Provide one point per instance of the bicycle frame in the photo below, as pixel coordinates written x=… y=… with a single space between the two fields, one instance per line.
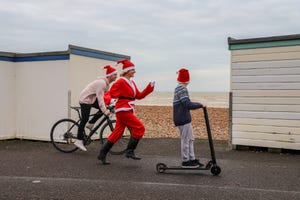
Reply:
x=64 y=132
x=103 y=119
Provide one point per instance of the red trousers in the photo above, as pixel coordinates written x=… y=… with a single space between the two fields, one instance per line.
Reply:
x=127 y=119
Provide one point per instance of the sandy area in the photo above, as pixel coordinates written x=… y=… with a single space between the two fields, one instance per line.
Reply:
x=158 y=121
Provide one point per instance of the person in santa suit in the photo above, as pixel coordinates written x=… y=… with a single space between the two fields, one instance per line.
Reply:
x=93 y=96
x=126 y=92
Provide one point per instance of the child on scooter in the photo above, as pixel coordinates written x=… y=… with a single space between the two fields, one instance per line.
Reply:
x=182 y=119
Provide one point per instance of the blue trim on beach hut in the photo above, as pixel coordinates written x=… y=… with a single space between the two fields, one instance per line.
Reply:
x=61 y=55
x=5 y=58
x=42 y=58
x=96 y=53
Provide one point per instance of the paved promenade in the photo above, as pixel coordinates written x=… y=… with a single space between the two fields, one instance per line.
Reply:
x=35 y=170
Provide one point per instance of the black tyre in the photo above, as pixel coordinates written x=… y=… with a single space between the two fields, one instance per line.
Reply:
x=64 y=134
x=215 y=170
x=161 y=167
x=119 y=146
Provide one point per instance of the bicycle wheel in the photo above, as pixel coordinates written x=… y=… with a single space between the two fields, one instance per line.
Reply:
x=119 y=146
x=64 y=134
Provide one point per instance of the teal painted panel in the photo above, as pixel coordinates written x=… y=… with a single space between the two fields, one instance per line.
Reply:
x=264 y=44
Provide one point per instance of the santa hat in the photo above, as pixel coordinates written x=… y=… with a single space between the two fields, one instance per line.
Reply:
x=109 y=70
x=183 y=76
x=127 y=65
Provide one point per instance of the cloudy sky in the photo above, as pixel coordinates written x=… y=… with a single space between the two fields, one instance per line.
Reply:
x=160 y=35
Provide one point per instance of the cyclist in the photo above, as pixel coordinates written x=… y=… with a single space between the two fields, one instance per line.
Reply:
x=126 y=91
x=108 y=101
x=93 y=96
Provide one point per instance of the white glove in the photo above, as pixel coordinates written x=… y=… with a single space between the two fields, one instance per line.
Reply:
x=152 y=83
x=113 y=102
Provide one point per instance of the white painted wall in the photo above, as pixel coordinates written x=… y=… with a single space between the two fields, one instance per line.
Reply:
x=265 y=86
x=36 y=94
x=42 y=97
x=7 y=100
x=84 y=70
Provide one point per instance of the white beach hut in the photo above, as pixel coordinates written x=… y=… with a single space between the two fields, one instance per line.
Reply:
x=37 y=89
x=265 y=92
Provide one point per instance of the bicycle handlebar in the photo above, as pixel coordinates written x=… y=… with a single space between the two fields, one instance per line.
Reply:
x=78 y=108
x=111 y=108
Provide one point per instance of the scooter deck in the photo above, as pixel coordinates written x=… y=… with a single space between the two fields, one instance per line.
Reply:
x=213 y=167
x=161 y=167
x=185 y=168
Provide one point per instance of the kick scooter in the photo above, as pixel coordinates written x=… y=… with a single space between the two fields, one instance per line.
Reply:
x=211 y=165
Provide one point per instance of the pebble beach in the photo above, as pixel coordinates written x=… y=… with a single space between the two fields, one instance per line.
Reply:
x=158 y=121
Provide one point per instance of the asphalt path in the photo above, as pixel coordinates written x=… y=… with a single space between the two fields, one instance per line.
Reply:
x=35 y=170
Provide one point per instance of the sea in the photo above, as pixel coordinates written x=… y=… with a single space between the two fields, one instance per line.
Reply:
x=211 y=99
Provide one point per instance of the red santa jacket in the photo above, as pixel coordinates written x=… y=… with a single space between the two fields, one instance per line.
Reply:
x=107 y=98
x=126 y=92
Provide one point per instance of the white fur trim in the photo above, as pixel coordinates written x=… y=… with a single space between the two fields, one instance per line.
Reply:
x=122 y=109
x=131 y=107
x=131 y=85
x=114 y=72
x=128 y=68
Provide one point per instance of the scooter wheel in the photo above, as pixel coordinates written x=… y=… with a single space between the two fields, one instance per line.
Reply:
x=161 y=167
x=215 y=170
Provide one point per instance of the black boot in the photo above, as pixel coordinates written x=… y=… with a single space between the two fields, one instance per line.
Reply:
x=103 y=152
x=132 y=144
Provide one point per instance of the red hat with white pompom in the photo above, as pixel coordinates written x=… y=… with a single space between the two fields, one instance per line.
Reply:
x=183 y=76
x=110 y=70
x=127 y=65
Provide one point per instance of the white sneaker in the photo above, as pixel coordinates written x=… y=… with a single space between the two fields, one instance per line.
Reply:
x=89 y=126
x=79 y=144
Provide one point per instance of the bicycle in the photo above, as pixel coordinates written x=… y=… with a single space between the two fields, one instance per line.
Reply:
x=64 y=133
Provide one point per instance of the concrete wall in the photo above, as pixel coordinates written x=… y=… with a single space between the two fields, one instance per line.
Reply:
x=7 y=100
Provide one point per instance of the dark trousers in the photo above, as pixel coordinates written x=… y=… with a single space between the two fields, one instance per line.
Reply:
x=85 y=113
